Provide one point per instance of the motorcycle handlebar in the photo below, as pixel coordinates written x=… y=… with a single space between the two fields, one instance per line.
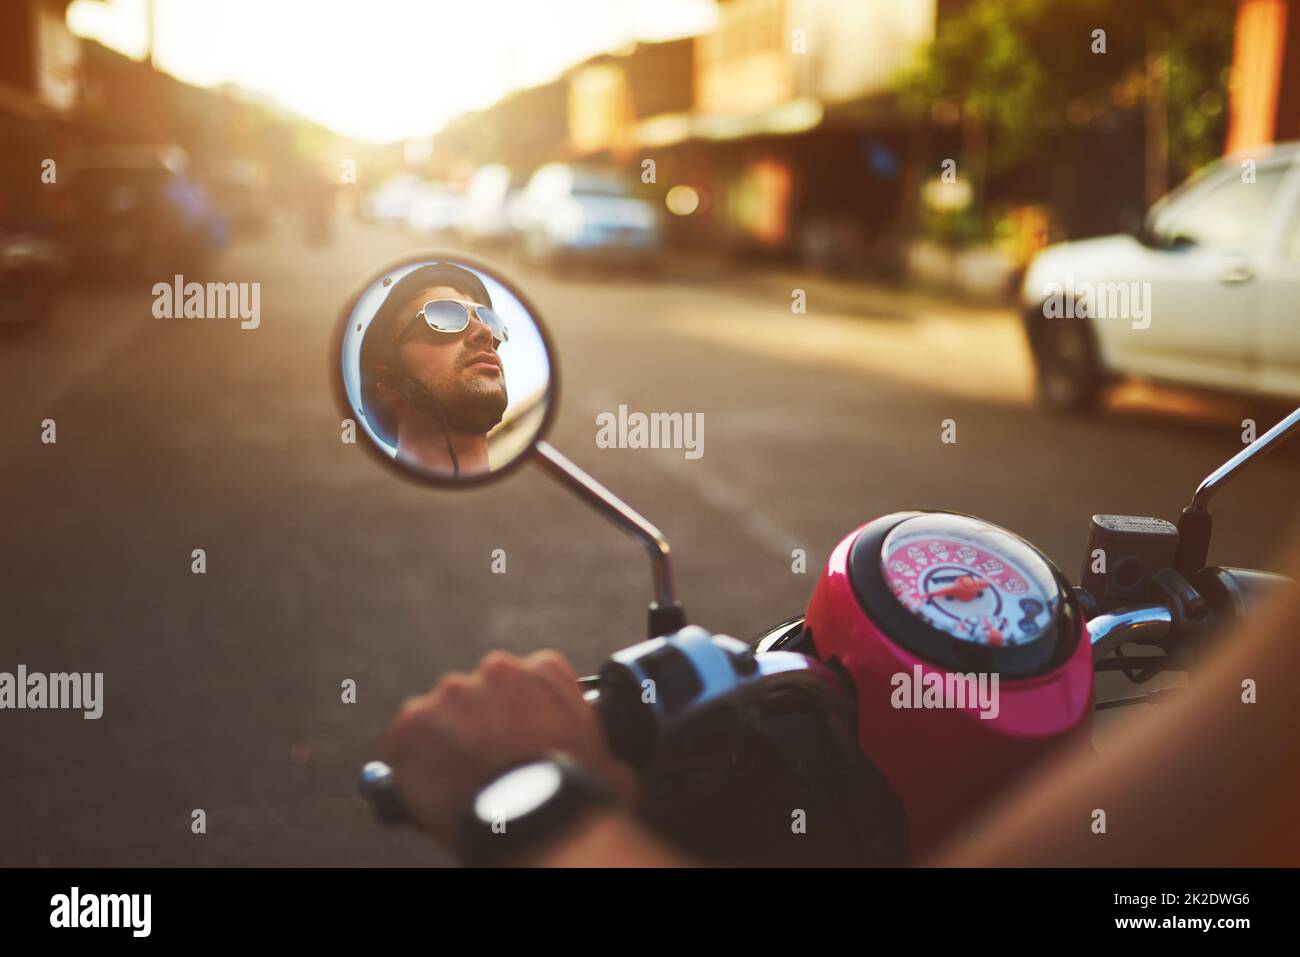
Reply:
x=615 y=695
x=629 y=729
x=1227 y=595
x=380 y=791
x=1109 y=630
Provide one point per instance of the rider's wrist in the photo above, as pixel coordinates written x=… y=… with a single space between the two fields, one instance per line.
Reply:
x=529 y=806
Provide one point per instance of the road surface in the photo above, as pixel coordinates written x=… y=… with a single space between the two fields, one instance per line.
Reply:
x=222 y=689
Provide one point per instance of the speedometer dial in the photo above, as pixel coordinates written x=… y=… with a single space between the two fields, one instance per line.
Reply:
x=974 y=581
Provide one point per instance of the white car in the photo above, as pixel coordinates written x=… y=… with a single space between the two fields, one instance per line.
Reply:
x=435 y=210
x=390 y=204
x=1204 y=295
x=569 y=212
x=489 y=197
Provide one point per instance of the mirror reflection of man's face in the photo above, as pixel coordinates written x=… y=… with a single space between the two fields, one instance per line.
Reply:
x=462 y=370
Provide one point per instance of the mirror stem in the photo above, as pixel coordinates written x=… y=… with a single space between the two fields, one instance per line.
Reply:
x=666 y=614
x=1194 y=524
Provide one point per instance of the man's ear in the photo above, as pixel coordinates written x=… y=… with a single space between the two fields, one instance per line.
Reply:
x=386 y=382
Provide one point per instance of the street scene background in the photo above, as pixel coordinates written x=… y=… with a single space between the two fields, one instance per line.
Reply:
x=222 y=690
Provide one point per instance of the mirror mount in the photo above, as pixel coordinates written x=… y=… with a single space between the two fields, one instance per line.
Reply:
x=1196 y=524
x=470 y=344
x=666 y=614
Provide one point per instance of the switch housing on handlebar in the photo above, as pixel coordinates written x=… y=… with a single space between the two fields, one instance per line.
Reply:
x=727 y=742
x=696 y=691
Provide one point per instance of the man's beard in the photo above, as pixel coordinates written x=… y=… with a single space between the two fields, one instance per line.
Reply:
x=473 y=405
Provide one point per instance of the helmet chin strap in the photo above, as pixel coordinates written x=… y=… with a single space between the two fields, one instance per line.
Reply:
x=425 y=400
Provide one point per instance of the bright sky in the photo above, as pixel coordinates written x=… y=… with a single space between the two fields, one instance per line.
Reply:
x=381 y=70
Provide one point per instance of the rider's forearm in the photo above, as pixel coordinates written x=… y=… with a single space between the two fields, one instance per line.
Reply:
x=1205 y=779
x=606 y=839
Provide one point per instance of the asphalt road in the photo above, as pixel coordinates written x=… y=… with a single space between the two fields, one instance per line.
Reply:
x=222 y=690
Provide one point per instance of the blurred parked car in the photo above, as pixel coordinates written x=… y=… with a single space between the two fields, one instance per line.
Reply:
x=33 y=219
x=435 y=209
x=314 y=201
x=31 y=265
x=569 y=212
x=390 y=204
x=139 y=212
x=1203 y=294
x=490 y=199
x=239 y=189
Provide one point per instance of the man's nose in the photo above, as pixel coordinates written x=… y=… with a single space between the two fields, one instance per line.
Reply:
x=478 y=330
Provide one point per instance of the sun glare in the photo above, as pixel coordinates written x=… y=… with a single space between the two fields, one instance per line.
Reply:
x=383 y=69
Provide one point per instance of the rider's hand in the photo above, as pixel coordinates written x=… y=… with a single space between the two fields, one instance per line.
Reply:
x=445 y=745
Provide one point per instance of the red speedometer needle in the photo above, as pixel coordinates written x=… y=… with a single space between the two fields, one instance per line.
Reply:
x=965 y=588
x=995 y=637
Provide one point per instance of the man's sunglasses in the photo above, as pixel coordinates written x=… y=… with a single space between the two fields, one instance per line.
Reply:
x=452 y=316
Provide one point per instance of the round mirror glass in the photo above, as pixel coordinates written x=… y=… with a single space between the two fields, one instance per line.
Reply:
x=446 y=370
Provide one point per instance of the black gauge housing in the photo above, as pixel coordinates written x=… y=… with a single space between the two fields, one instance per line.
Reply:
x=1051 y=648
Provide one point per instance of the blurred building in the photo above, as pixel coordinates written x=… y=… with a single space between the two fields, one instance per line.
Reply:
x=1265 y=86
x=809 y=147
x=621 y=103
x=40 y=90
x=523 y=130
x=39 y=57
x=785 y=125
x=782 y=122
x=82 y=126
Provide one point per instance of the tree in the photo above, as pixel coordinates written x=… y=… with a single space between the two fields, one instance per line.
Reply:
x=1026 y=71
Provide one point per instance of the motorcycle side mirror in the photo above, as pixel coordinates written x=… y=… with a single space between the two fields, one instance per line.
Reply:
x=446 y=371
x=448 y=376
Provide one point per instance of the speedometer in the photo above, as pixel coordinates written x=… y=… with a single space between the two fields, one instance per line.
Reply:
x=975 y=581
x=963 y=593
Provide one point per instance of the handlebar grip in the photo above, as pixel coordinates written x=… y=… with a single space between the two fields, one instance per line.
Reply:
x=618 y=708
x=608 y=714
x=1239 y=594
x=379 y=789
